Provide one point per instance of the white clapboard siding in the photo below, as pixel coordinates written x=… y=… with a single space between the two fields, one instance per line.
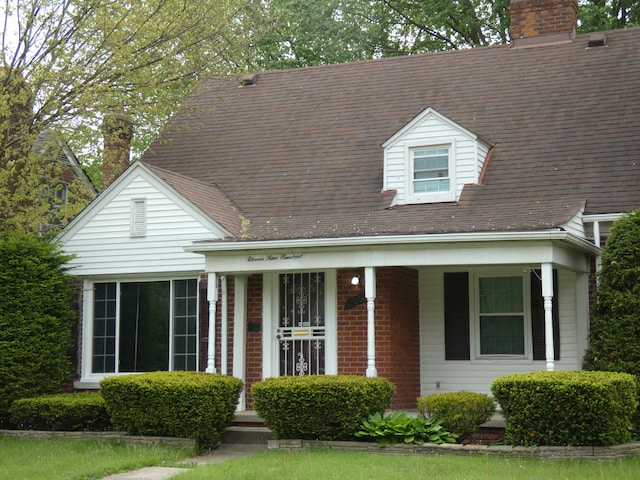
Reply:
x=431 y=128
x=438 y=375
x=102 y=242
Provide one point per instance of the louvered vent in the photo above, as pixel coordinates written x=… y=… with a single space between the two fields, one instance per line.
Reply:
x=138 y=217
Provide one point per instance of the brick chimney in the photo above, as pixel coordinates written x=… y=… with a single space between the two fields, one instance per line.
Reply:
x=117 y=130
x=537 y=22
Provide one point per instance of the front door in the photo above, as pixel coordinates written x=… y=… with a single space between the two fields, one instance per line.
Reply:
x=301 y=330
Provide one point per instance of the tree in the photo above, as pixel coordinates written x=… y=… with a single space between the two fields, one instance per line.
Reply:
x=600 y=15
x=614 y=339
x=73 y=61
x=36 y=318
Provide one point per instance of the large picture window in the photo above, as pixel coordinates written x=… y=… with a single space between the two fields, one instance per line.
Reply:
x=145 y=326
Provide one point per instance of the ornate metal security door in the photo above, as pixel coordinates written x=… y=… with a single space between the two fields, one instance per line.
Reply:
x=301 y=324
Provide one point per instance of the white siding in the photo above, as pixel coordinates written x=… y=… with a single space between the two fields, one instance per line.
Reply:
x=476 y=375
x=432 y=129
x=103 y=244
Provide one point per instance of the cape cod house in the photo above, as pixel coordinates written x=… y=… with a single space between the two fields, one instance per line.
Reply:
x=434 y=219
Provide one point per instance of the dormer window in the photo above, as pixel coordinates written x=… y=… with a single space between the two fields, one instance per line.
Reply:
x=431 y=159
x=431 y=170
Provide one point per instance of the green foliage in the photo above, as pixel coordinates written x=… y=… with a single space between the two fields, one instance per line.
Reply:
x=320 y=407
x=567 y=408
x=176 y=404
x=61 y=412
x=614 y=336
x=460 y=412
x=36 y=318
x=399 y=427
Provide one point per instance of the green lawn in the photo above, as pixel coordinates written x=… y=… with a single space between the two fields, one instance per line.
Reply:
x=30 y=459
x=22 y=459
x=320 y=465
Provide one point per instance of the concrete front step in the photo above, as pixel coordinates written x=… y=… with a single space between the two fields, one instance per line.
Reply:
x=247 y=428
x=246 y=435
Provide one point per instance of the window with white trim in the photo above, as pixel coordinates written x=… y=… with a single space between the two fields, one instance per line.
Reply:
x=431 y=173
x=502 y=317
x=145 y=326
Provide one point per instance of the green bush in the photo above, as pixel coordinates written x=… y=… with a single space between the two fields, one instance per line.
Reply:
x=399 y=427
x=460 y=412
x=320 y=407
x=567 y=408
x=614 y=335
x=36 y=319
x=176 y=404
x=61 y=412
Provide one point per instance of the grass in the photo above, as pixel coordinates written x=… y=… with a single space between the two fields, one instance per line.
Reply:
x=22 y=459
x=49 y=459
x=322 y=465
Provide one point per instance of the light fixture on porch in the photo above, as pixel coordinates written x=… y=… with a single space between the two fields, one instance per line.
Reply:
x=355 y=280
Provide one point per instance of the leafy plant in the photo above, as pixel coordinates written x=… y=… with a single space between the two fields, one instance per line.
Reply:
x=399 y=427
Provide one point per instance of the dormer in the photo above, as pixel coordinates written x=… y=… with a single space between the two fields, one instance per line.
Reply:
x=431 y=158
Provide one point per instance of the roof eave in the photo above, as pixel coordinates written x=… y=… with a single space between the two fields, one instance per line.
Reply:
x=204 y=247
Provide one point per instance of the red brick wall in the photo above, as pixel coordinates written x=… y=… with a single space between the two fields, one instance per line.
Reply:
x=397 y=331
x=254 y=326
x=530 y=18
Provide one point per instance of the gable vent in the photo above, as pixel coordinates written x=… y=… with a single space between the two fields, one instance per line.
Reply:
x=138 y=217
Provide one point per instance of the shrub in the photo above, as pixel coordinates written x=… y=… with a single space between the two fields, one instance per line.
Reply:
x=320 y=407
x=460 y=412
x=399 y=427
x=61 y=412
x=36 y=319
x=567 y=408
x=176 y=404
x=614 y=335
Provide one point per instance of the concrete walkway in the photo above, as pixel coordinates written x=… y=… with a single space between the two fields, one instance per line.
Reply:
x=222 y=453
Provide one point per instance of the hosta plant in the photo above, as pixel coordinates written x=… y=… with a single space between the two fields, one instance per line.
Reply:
x=398 y=427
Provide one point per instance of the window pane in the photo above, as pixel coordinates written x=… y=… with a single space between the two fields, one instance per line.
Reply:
x=501 y=295
x=185 y=321
x=502 y=335
x=144 y=326
x=103 y=359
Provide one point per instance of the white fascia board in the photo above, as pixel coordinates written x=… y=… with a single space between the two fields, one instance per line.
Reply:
x=103 y=197
x=419 y=118
x=602 y=217
x=448 y=238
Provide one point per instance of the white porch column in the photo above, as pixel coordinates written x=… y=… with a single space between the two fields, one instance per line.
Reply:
x=547 y=294
x=240 y=333
x=370 y=295
x=224 y=326
x=212 y=298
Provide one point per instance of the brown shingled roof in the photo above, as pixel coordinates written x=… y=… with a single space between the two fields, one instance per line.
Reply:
x=210 y=199
x=299 y=152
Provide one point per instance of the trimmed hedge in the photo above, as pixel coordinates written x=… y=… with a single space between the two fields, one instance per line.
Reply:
x=460 y=412
x=320 y=407
x=567 y=407
x=36 y=318
x=62 y=412
x=176 y=404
